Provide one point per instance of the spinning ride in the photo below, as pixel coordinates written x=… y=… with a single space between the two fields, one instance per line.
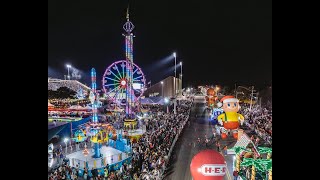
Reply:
x=123 y=81
x=115 y=82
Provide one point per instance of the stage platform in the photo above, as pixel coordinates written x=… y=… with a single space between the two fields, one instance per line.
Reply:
x=136 y=132
x=110 y=156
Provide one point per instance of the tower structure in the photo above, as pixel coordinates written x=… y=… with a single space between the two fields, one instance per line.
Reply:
x=128 y=27
x=93 y=96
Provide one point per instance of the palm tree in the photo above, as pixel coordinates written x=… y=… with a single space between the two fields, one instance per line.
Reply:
x=238 y=150
x=267 y=150
x=255 y=163
x=267 y=164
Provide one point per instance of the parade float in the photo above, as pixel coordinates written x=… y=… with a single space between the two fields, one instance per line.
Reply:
x=230 y=119
x=211 y=98
x=208 y=165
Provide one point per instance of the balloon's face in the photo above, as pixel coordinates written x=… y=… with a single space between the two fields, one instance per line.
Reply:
x=231 y=107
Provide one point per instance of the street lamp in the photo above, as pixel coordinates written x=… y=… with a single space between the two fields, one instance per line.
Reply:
x=181 y=77
x=217 y=89
x=68 y=66
x=175 y=71
x=162 y=88
x=66 y=141
x=252 y=89
x=166 y=101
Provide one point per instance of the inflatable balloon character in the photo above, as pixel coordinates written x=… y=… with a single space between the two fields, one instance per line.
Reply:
x=230 y=118
x=210 y=98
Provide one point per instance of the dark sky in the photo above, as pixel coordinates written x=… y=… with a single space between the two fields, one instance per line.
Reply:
x=219 y=42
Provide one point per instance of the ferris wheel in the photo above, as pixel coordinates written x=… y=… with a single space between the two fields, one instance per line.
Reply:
x=115 y=83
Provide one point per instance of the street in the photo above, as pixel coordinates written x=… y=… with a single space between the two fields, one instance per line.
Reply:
x=187 y=146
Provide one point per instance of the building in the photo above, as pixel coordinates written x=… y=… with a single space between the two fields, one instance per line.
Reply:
x=168 y=88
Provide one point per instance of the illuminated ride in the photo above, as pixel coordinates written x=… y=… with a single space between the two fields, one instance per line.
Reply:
x=123 y=81
x=115 y=82
x=120 y=79
x=98 y=133
x=101 y=133
x=79 y=136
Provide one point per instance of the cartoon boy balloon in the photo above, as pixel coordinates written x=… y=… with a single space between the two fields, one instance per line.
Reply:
x=230 y=118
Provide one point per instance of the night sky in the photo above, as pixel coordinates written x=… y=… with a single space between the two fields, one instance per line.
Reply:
x=219 y=42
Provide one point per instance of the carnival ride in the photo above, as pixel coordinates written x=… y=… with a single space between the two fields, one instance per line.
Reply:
x=98 y=133
x=79 y=136
x=115 y=82
x=123 y=81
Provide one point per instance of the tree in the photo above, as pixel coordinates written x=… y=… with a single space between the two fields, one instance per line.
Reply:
x=263 y=150
x=61 y=93
x=255 y=163
x=267 y=165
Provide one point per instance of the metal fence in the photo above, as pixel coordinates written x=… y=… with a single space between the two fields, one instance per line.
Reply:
x=174 y=142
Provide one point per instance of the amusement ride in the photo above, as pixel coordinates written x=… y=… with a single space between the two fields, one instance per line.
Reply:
x=123 y=83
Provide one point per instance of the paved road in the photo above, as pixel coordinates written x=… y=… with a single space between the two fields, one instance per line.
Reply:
x=186 y=146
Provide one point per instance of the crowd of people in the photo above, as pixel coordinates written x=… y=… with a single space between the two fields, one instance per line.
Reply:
x=259 y=120
x=60 y=103
x=149 y=154
x=59 y=114
x=73 y=85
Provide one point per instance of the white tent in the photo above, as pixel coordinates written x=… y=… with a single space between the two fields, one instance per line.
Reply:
x=50 y=105
x=76 y=107
x=88 y=107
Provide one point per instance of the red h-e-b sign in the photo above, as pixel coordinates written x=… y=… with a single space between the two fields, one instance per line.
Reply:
x=213 y=169
x=208 y=165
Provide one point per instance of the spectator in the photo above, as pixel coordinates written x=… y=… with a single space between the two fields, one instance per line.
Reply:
x=235 y=175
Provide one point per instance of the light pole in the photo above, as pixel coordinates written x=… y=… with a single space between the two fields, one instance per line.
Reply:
x=217 y=89
x=66 y=141
x=68 y=66
x=250 y=95
x=175 y=71
x=162 y=88
x=251 y=98
x=181 y=77
x=166 y=101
